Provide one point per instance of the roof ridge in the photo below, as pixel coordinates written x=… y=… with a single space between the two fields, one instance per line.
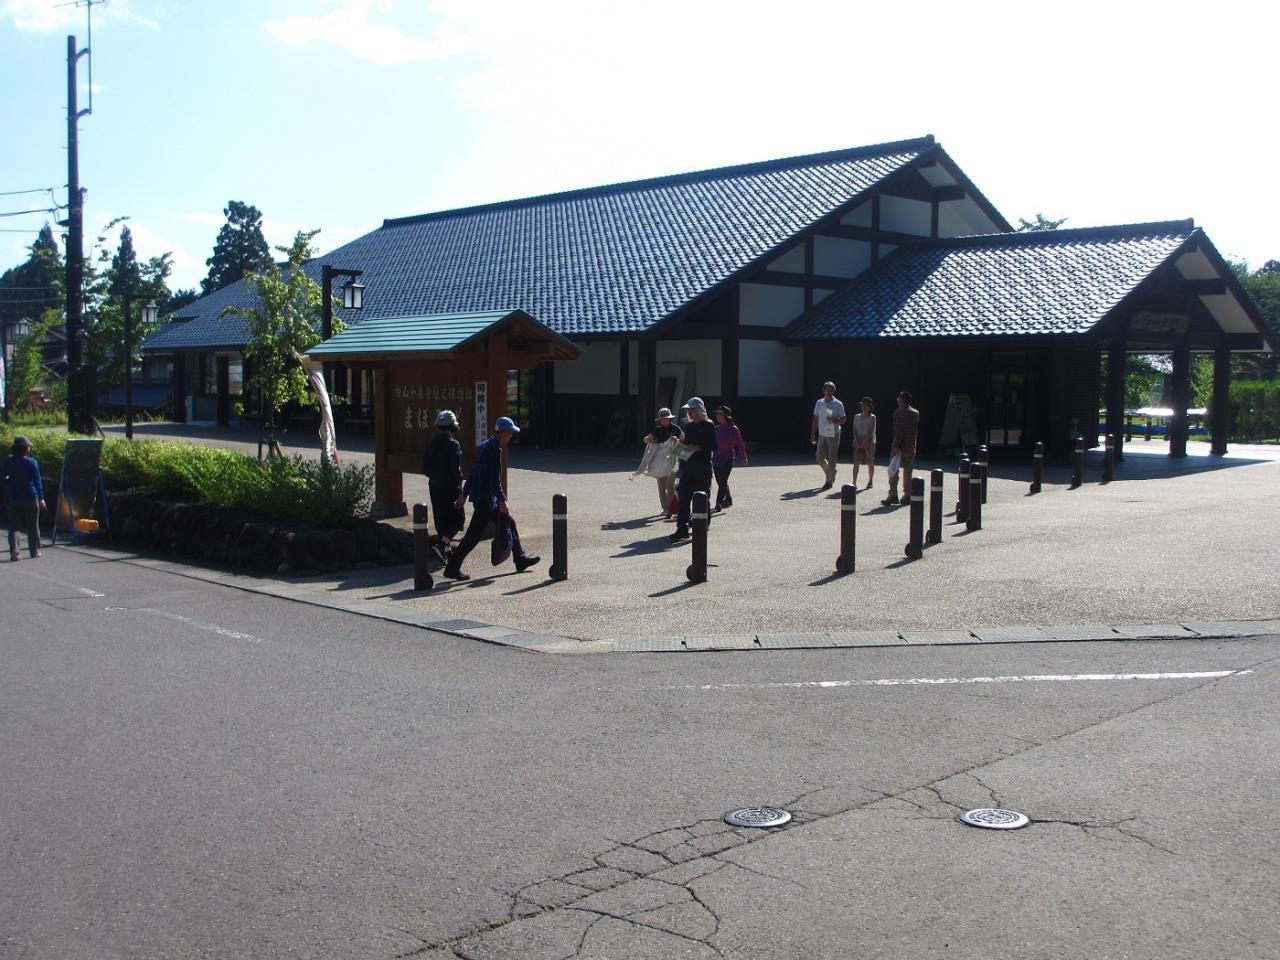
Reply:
x=1072 y=233
x=649 y=183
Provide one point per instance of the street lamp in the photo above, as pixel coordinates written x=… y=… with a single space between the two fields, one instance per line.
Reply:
x=148 y=317
x=352 y=299
x=353 y=294
x=10 y=335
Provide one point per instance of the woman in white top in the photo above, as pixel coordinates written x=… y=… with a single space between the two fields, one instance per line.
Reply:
x=864 y=440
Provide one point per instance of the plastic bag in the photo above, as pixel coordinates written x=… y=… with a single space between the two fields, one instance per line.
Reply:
x=895 y=464
x=664 y=460
x=503 y=539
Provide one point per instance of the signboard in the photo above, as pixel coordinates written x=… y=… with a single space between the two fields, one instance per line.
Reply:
x=482 y=411
x=961 y=421
x=79 y=484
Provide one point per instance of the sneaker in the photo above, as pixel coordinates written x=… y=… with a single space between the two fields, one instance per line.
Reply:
x=437 y=551
x=525 y=562
x=868 y=486
x=680 y=534
x=890 y=501
x=728 y=501
x=453 y=573
x=37 y=555
x=14 y=557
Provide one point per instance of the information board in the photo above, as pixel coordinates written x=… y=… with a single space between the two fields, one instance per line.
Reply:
x=79 y=483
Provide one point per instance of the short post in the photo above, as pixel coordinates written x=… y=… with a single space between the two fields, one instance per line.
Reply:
x=559 y=537
x=915 y=545
x=700 y=514
x=984 y=457
x=962 y=498
x=421 y=549
x=1148 y=430
x=975 y=497
x=1037 y=467
x=848 y=528
x=1077 y=464
x=935 y=507
x=1128 y=427
x=1109 y=460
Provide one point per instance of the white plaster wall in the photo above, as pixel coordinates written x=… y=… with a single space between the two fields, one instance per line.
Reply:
x=859 y=216
x=704 y=353
x=790 y=262
x=595 y=371
x=839 y=257
x=900 y=215
x=767 y=368
x=769 y=305
x=963 y=218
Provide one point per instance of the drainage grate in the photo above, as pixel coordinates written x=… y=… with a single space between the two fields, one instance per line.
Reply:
x=757 y=817
x=993 y=818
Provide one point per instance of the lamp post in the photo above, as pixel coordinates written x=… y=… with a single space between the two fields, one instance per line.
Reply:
x=352 y=299
x=148 y=317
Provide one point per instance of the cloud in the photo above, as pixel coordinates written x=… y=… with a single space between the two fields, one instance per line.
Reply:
x=350 y=26
x=46 y=16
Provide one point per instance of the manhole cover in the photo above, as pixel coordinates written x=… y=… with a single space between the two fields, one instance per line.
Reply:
x=757 y=817
x=993 y=818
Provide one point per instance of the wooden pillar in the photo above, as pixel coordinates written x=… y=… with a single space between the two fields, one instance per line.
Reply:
x=1116 y=363
x=729 y=368
x=388 y=484
x=1058 y=444
x=179 y=388
x=224 y=388
x=1220 y=415
x=496 y=364
x=1181 y=389
x=648 y=380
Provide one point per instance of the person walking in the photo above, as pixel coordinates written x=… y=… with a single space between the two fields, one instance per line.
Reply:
x=906 y=428
x=664 y=429
x=864 y=440
x=824 y=432
x=729 y=447
x=484 y=488
x=695 y=466
x=20 y=475
x=442 y=465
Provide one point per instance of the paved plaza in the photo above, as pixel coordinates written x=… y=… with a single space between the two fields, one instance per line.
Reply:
x=1166 y=543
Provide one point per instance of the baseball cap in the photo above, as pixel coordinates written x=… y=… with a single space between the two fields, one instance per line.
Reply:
x=507 y=424
x=695 y=403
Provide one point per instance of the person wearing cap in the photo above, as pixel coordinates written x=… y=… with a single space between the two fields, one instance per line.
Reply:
x=695 y=467
x=824 y=432
x=906 y=427
x=20 y=475
x=729 y=447
x=442 y=465
x=665 y=428
x=864 y=440
x=484 y=489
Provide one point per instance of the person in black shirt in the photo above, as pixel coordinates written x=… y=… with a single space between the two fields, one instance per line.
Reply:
x=442 y=464
x=695 y=470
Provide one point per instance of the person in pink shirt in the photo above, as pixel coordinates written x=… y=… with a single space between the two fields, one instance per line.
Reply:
x=729 y=447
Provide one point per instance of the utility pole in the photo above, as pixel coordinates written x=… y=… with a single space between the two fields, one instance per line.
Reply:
x=77 y=414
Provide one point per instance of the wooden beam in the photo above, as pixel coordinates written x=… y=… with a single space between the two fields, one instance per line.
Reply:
x=1206 y=288
x=870 y=234
x=948 y=194
x=774 y=278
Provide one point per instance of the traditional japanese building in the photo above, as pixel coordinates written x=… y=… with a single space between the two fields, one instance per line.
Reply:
x=882 y=268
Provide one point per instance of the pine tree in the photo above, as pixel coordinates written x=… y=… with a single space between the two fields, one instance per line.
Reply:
x=124 y=267
x=240 y=247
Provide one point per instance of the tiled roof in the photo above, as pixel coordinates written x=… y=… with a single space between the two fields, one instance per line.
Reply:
x=432 y=334
x=606 y=260
x=1013 y=284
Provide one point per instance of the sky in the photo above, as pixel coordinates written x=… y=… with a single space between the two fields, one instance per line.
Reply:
x=336 y=114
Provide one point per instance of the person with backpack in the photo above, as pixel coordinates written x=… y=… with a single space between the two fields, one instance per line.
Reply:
x=488 y=502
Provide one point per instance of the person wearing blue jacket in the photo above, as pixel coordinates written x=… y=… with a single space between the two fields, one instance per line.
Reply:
x=20 y=475
x=484 y=489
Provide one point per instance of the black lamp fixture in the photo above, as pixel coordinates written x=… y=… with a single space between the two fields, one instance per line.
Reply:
x=352 y=295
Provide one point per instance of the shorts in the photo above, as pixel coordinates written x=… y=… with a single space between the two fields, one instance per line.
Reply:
x=867 y=456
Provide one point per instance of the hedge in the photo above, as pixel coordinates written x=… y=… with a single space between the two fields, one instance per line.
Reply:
x=295 y=490
x=1256 y=406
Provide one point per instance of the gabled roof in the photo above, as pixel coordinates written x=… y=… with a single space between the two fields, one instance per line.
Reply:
x=607 y=260
x=442 y=333
x=1059 y=282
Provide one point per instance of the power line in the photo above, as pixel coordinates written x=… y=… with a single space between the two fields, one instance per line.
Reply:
x=22 y=213
x=18 y=193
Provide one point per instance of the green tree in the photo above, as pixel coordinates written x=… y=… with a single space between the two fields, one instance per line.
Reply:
x=283 y=322
x=240 y=247
x=1263 y=287
x=31 y=288
x=124 y=274
x=28 y=371
x=176 y=300
x=1041 y=222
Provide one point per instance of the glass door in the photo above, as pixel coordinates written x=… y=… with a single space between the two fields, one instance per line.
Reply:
x=1007 y=400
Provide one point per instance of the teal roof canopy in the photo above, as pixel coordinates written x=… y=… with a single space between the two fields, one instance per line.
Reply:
x=436 y=333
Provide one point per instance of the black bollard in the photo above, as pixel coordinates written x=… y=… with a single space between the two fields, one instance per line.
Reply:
x=962 y=497
x=915 y=545
x=935 y=507
x=421 y=549
x=975 y=497
x=1077 y=464
x=1037 y=467
x=1128 y=427
x=1109 y=460
x=1148 y=431
x=848 y=528
x=559 y=537
x=984 y=457
x=700 y=514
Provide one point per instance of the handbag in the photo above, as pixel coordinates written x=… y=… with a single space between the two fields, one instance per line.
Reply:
x=503 y=539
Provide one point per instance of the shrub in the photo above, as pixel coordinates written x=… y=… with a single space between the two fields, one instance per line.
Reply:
x=294 y=490
x=1256 y=405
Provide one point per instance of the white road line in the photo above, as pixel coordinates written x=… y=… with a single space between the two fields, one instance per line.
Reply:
x=198 y=624
x=62 y=583
x=951 y=681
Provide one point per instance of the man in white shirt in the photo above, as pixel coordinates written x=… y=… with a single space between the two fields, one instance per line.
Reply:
x=824 y=432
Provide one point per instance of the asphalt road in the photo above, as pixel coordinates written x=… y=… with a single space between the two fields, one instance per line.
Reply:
x=188 y=770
